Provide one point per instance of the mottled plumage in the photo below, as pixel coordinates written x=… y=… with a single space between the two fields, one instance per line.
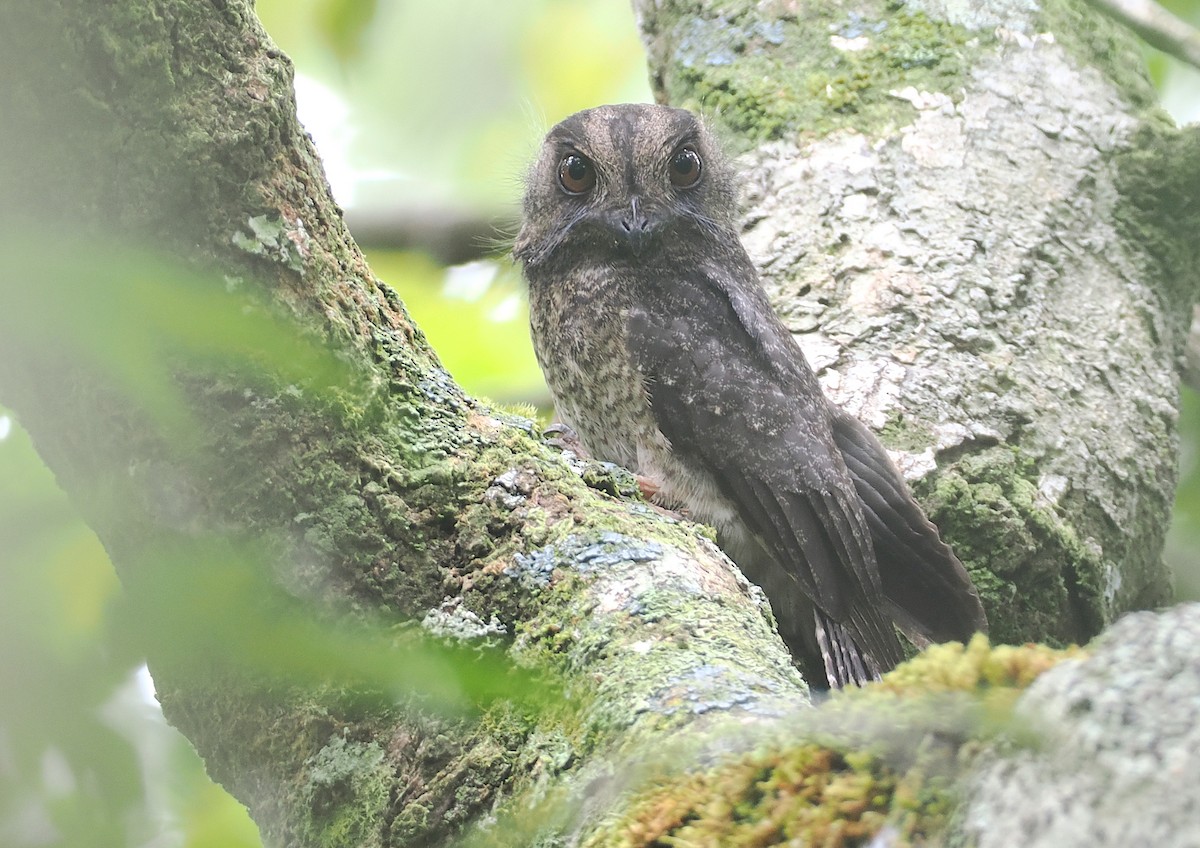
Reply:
x=664 y=355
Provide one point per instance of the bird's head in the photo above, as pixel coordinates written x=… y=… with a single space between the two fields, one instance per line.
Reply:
x=621 y=180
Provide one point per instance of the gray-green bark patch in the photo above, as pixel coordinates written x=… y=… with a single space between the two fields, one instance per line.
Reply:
x=1159 y=181
x=1006 y=534
x=766 y=76
x=348 y=787
x=1095 y=39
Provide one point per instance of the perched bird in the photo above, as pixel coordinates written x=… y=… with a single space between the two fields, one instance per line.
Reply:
x=664 y=355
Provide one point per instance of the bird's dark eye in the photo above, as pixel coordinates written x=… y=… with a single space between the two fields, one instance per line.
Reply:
x=685 y=168
x=576 y=174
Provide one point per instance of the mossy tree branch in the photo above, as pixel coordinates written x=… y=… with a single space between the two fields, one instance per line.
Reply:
x=373 y=488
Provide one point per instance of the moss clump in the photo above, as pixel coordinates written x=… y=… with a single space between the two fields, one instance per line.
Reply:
x=905 y=433
x=1026 y=561
x=1159 y=181
x=830 y=794
x=840 y=68
x=348 y=786
x=975 y=667
x=1095 y=39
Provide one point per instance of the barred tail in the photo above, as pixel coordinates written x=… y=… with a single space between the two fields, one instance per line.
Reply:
x=844 y=661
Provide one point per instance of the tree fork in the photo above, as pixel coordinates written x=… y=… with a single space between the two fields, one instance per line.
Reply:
x=171 y=125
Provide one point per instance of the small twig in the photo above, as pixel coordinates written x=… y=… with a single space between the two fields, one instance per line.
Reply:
x=1157 y=27
x=450 y=235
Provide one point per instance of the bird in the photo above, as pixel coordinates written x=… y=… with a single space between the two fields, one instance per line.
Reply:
x=664 y=355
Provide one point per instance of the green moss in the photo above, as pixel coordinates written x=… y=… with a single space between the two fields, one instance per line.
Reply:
x=857 y=773
x=1025 y=559
x=1158 y=181
x=732 y=70
x=347 y=794
x=902 y=433
x=978 y=666
x=1095 y=39
x=293 y=446
x=532 y=507
x=652 y=673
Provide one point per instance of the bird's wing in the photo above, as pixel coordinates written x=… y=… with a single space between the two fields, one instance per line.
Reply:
x=733 y=395
x=934 y=597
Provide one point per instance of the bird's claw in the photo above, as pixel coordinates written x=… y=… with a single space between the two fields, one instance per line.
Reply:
x=563 y=436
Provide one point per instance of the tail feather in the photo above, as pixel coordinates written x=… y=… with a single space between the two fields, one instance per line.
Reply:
x=845 y=662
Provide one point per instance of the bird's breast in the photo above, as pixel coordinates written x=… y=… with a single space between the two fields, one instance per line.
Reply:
x=579 y=337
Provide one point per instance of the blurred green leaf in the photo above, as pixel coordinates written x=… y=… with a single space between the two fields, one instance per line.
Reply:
x=344 y=24
x=66 y=778
x=213 y=822
x=132 y=318
x=196 y=599
x=139 y=319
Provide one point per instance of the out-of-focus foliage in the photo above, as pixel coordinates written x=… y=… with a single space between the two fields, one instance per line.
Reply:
x=1183 y=542
x=344 y=24
x=447 y=101
x=83 y=761
x=412 y=103
x=130 y=316
x=1178 y=83
x=476 y=318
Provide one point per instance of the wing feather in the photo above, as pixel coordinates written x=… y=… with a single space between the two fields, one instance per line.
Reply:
x=736 y=400
x=933 y=596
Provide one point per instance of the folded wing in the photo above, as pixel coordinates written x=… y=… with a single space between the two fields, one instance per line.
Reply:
x=731 y=392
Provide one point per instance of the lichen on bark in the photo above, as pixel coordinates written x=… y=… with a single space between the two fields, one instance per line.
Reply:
x=972 y=258
x=848 y=772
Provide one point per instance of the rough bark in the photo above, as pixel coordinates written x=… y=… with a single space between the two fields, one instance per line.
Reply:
x=951 y=206
x=169 y=124
x=1116 y=761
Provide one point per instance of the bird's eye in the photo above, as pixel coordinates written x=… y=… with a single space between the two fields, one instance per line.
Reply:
x=576 y=174
x=685 y=168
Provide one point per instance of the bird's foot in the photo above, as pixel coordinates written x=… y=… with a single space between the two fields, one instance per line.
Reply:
x=650 y=489
x=564 y=437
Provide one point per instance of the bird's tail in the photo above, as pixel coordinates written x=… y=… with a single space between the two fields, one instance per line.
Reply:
x=844 y=661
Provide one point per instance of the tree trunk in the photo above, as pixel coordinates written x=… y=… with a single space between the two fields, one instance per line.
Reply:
x=1017 y=346
x=962 y=214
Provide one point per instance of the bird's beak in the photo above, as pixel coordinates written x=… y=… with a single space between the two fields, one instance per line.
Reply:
x=632 y=225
